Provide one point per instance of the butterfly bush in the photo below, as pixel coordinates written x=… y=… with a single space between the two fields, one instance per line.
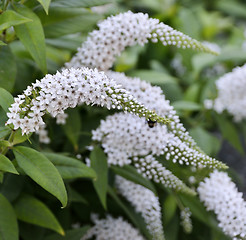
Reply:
x=145 y=202
x=220 y=195
x=231 y=94
x=112 y=229
x=127 y=29
x=55 y=93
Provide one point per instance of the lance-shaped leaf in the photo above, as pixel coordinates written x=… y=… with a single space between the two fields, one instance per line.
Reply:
x=45 y=4
x=6 y=99
x=8 y=68
x=6 y=165
x=100 y=165
x=42 y=171
x=31 y=35
x=70 y=168
x=8 y=222
x=11 y=18
x=31 y=210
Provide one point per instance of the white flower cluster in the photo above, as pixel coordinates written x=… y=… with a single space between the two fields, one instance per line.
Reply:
x=145 y=202
x=112 y=229
x=55 y=93
x=127 y=29
x=43 y=134
x=186 y=223
x=124 y=136
x=220 y=194
x=153 y=98
x=231 y=93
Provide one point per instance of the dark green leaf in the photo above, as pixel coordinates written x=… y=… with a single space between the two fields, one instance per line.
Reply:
x=45 y=4
x=131 y=174
x=64 y=21
x=229 y=132
x=169 y=208
x=31 y=35
x=73 y=126
x=100 y=165
x=156 y=78
x=205 y=140
x=186 y=105
x=4 y=131
x=42 y=171
x=7 y=68
x=12 y=186
x=70 y=168
x=74 y=234
x=31 y=210
x=11 y=18
x=8 y=222
x=74 y=196
x=6 y=99
x=6 y=165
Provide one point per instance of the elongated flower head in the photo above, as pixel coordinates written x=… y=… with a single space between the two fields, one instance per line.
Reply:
x=220 y=195
x=231 y=93
x=124 y=136
x=127 y=29
x=55 y=93
x=112 y=229
x=185 y=217
x=145 y=202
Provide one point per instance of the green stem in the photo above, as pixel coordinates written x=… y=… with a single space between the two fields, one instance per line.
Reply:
x=11 y=138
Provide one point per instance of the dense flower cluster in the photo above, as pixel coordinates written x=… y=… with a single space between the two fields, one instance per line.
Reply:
x=112 y=229
x=55 y=93
x=231 y=93
x=220 y=194
x=145 y=202
x=127 y=29
x=150 y=168
x=124 y=136
x=186 y=223
x=153 y=98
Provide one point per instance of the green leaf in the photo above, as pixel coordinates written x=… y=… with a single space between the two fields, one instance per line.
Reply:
x=186 y=105
x=6 y=99
x=64 y=21
x=153 y=77
x=70 y=168
x=74 y=196
x=73 y=126
x=79 y=3
x=229 y=132
x=19 y=138
x=4 y=131
x=205 y=140
x=100 y=165
x=131 y=174
x=2 y=43
x=12 y=186
x=31 y=35
x=45 y=4
x=232 y=8
x=11 y=18
x=8 y=68
x=42 y=171
x=74 y=234
x=31 y=210
x=8 y=222
x=6 y=165
x=169 y=208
